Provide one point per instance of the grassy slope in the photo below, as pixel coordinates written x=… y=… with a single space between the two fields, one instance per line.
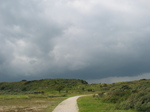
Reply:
x=117 y=96
x=37 y=95
x=90 y=104
x=40 y=86
x=121 y=96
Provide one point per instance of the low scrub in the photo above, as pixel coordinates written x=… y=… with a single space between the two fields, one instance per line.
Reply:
x=41 y=86
x=138 y=101
x=129 y=95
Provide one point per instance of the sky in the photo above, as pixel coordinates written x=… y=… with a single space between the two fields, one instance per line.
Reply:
x=94 y=40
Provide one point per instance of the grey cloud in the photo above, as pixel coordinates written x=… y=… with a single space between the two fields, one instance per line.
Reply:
x=86 y=39
x=120 y=79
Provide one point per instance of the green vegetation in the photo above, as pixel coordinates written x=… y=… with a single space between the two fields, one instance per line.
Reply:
x=90 y=104
x=29 y=103
x=43 y=95
x=41 y=86
x=37 y=95
x=129 y=96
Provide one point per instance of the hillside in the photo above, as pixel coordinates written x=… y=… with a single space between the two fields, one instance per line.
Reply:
x=127 y=95
x=40 y=86
x=131 y=95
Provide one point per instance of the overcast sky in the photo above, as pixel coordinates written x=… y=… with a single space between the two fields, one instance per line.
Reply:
x=94 y=40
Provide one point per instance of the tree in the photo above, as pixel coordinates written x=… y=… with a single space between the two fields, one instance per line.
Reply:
x=59 y=88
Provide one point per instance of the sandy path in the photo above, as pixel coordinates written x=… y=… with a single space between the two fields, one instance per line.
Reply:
x=68 y=105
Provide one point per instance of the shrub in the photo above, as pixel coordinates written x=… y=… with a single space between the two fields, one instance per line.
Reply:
x=125 y=87
x=129 y=95
x=143 y=103
x=138 y=101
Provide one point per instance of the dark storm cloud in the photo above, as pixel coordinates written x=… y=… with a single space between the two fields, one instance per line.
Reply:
x=86 y=39
x=26 y=37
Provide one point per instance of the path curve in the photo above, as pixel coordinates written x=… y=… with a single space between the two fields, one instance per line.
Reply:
x=68 y=105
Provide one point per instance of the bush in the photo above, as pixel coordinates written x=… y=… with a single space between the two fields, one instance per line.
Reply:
x=143 y=103
x=116 y=96
x=129 y=95
x=138 y=101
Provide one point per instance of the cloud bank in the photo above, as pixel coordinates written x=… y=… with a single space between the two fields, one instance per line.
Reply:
x=86 y=39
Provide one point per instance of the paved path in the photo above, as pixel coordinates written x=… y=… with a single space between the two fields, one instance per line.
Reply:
x=68 y=105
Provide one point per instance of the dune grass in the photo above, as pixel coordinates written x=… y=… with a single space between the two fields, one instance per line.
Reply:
x=29 y=103
x=90 y=104
x=44 y=95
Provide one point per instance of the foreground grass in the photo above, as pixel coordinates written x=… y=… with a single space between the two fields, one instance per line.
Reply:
x=29 y=103
x=90 y=104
